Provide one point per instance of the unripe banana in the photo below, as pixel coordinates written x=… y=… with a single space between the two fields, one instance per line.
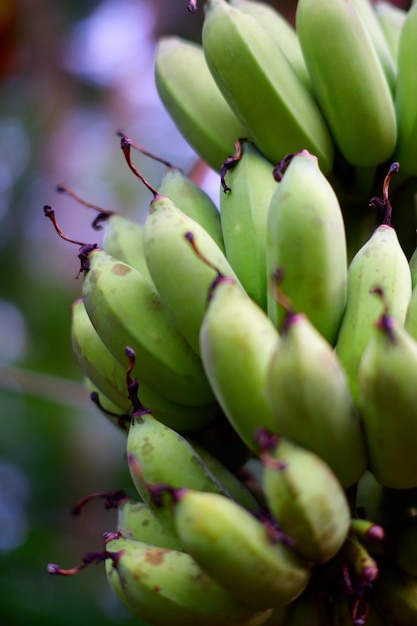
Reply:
x=379 y=263
x=237 y=340
x=306 y=499
x=351 y=89
x=306 y=243
x=109 y=376
x=162 y=586
x=181 y=278
x=193 y=201
x=395 y=594
x=192 y=98
x=126 y=310
x=273 y=104
x=235 y=549
x=157 y=455
x=95 y=359
x=366 y=9
x=244 y=208
x=405 y=102
x=392 y=18
x=282 y=31
x=135 y=520
x=123 y=240
x=312 y=405
x=387 y=381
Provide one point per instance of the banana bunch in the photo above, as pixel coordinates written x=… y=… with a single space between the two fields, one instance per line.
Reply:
x=261 y=357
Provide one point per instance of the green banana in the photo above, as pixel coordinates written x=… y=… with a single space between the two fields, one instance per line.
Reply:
x=193 y=201
x=123 y=240
x=261 y=86
x=306 y=243
x=235 y=550
x=351 y=89
x=312 y=405
x=237 y=340
x=392 y=18
x=381 y=263
x=193 y=100
x=181 y=278
x=136 y=521
x=282 y=31
x=126 y=310
x=387 y=379
x=109 y=376
x=366 y=10
x=244 y=205
x=306 y=499
x=395 y=595
x=405 y=105
x=158 y=455
x=163 y=586
x=358 y=559
x=95 y=359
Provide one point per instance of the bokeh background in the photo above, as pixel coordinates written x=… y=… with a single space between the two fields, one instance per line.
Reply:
x=71 y=74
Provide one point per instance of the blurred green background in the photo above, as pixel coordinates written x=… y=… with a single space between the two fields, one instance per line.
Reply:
x=71 y=74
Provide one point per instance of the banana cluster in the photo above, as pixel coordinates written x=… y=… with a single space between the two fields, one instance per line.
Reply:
x=262 y=358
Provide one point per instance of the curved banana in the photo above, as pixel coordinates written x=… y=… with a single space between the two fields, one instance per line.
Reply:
x=180 y=276
x=136 y=521
x=395 y=595
x=282 y=31
x=237 y=340
x=193 y=201
x=306 y=499
x=405 y=105
x=192 y=98
x=126 y=310
x=163 y=586
x=387 y=378
x=109 y=376
x=279 y=113
x=235 y=550
x=306 y=243
x=244 y=205
x=123 y=240
x=379 y=263
x=366 y=9
x=312 y=405
x=351 y=89
x=158 y=456
x=392 y=18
